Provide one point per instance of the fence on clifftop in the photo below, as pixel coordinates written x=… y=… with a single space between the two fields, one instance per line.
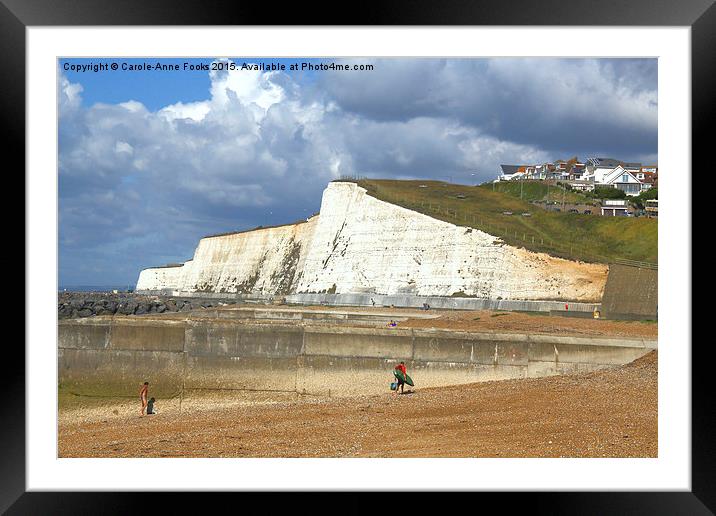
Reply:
x=635 y=263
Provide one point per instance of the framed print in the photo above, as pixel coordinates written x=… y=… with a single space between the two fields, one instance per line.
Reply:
x=416 y=253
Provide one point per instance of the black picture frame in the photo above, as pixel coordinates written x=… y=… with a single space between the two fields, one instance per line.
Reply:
x=700 y=15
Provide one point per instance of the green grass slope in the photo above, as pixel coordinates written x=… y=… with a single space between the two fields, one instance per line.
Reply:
x=567 y=235
x=537 y=191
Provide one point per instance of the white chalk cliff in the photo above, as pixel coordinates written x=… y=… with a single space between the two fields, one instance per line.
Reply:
x=359 y=244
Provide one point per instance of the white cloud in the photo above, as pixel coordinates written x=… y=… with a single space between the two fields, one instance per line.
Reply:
x=251 y=87
x=193 y=110
x=133 y=106
x=123 y=148
x=486 y=153
x=69 y=94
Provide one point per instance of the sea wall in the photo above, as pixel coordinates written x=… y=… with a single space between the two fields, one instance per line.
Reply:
x=105 y=356
x=361 y=245
x=437 y=302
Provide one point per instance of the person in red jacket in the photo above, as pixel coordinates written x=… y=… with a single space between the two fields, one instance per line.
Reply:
x=401 y=383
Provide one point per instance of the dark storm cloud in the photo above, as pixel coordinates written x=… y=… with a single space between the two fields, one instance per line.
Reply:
x=555 y=104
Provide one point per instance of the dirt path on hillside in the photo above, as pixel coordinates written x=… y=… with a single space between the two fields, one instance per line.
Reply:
x=610 y=413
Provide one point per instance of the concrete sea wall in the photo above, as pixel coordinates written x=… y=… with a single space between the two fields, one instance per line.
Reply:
x=438 y=302
x=113 y=356
x=361 y=245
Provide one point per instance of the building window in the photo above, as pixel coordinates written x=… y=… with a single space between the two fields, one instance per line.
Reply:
x=625 y=178
x=629 y=188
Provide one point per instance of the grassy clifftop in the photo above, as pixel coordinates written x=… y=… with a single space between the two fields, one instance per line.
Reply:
x=567 y=235
x=537 y=191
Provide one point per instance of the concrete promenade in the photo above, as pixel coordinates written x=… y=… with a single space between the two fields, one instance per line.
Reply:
x=398 y=301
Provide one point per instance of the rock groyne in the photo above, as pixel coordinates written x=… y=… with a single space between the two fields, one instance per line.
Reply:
x=72 y=305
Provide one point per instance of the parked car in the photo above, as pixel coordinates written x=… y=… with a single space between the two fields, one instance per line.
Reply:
x=573 y=210
x=507 y=213
x=587 y=212
x=526 y=214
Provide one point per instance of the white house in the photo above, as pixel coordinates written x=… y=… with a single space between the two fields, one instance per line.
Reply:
x=623 y=179
x=541 y=171
x=598 y=173
x=512 y=172
x=647 y=175
x=597 y=169
x=582 y=186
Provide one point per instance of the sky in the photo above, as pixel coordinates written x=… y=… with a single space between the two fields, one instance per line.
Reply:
x=150 y=161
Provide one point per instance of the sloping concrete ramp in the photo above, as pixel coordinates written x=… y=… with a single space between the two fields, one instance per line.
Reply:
x=631 y=292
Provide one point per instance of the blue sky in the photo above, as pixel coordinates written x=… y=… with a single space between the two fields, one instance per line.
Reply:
x=151 y=161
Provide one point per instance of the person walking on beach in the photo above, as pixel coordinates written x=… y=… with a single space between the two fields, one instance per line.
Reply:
x=143 y=393
x=400 y=368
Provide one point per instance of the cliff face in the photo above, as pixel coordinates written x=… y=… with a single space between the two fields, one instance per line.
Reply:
x=157 y=278
x=265 y=261
x=361 y=244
